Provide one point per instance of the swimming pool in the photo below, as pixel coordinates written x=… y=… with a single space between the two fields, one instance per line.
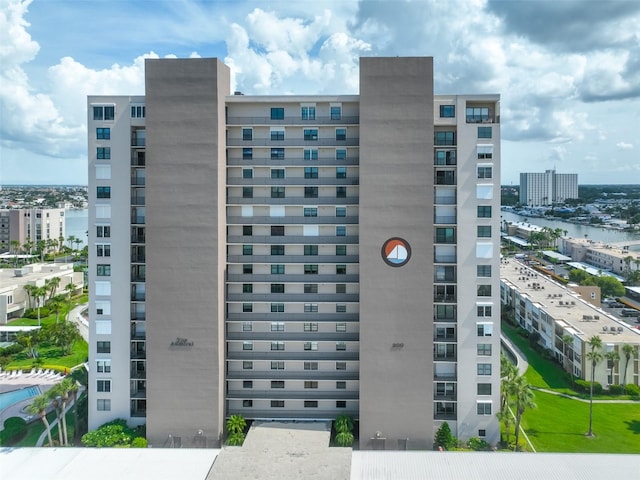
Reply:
x=9 y=398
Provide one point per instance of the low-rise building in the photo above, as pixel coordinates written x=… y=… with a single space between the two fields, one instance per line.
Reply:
x=30 y=224
x=604 y=256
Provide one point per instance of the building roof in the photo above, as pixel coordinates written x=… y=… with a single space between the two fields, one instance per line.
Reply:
x=565 y=305
x=591 y=270
x=33 y=273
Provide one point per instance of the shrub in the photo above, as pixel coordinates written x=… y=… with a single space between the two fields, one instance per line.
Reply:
x=585 y=386
x=444 y=437
x=534 y=338
x=344 y=439
x=32 y=313
x=478 y=444
x=632 y=390
x=616 y=389
x=15 y=429
x=235 y=439
x=343 y=423
x=139 y=442
x=111 y=434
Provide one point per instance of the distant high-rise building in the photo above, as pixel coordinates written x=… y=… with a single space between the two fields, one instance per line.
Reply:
x=537 y=189
x=24 y=225
x=295 y=257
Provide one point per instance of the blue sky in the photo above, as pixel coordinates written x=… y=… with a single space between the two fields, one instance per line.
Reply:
x=568 y=71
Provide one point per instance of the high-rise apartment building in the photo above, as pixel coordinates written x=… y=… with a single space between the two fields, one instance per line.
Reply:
x=24 y=225
x=295 y=257
x=547 y=188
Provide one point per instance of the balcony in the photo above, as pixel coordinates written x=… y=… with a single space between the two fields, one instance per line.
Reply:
x=287 y=414
x=295 y=336
x=140 y=374
x=138 y=180
x=307 y=355
x=444 y=397
x=292 y=278
x=237 y=200
x=138 y=296
x=444 y=258
x=445 y=200
x=138 y=200
x=292 y=240
x=292 y=259
x=292 y=297
x=137 y=238
x=293 y=374
x=292 y=181
x=445 y=220
x=137 y=219
x=293 y=161
x=283 y=393
x=296 y=120
x=293 y=142
x=292 y=220
x=293 y=317
x=451 y=298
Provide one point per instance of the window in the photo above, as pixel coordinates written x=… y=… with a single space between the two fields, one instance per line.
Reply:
x=277 y=403
x=484 y=211
x=277 y=346
x=247 y=288
x=247 y=230
x=484 y=408
x=310 y=172
x=484 y=389
x=103 y=270
x=310 y=404
x=103 y=231
x=247 y=365
x=247 y=345
x=277 y=154
x=103 y=366
x=341 y=288
x=341 y=230
x=277 y=173
x=247 y=173
x=277 y=383
x=277 y=365
x=247 y=153
x=484 y=310
x=277 y=326
x=447 y=111
x=138 y=111
x=484 y=132
x=477 y=114
x=311 y=134
x=104 y=405
x=247 y=307
x=310 y=192
x=277 y=113
x=484 y=290
x=445 y=157
x=341 y=346
x=247 y=326
x=103 y=250
x=341 y=192
x=445 y=138
x=247 y=249
x=310 y=307
x=341 y=365
x=341 y=211
x=484 y=329
x=341 y=327
x=341 y=269
x=311 y=365
x=310 y=211
x=104 y=112
x=247 y=192
x=277 y=249
x=277 y=192
x=247 y=403
x=247 y=134
x=483 y=270
x=308 y=112
x=277 y=288
x=484 y=369
x=103 y=134
x=485 y=172
x=341 y=250
x=311 y=326
x=103 y=192
x=484 y=231
x=277 y=269
x=311 y=346
x=310 y=288
x=340 y=385
x=341 y=172
x=484 y=349
x=341 y=308
x=311 y=269
x=336 y=112
x=485 y=152
x=103 y=347
x=445 y=235
x=247 y=384
x=482 y=432
x=311 y=249
x=445 y=177
x=341 y=154
x=247 y=268
x=310 y=384
x=341 y=134
x=310 y=153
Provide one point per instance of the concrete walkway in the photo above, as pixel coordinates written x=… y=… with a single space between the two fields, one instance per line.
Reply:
x=521 y=360
x=76 y=317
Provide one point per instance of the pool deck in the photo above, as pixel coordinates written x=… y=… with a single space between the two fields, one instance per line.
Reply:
x=10 y=382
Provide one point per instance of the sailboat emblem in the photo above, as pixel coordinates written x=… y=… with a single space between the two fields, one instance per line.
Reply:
x=396 y=252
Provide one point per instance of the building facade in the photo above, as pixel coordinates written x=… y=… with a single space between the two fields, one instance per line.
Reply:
x=24 y=225
x=295 y=257
x=547 y=188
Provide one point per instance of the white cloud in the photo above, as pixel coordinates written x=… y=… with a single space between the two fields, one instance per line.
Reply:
x=624 y=146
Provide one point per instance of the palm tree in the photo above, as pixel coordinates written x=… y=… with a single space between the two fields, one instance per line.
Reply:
x=594 y=356
x=235 y=426
x=52 y=285
x=39 y=406
x=56 y=401
x=60 y=243
x=78 y=242
x=56 y=304
x=69 y=288
x=612 y=357
x=39 y=293
x=628 y=352
x=15 y=248
x=30 y=289
x=63 y=391
x=70 y=240
x=523 y=399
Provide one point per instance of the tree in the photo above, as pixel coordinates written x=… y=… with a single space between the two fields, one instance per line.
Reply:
x=612 y=357
x=39 y=293
x=63 y=335
x=56 y=305
x=610 y=286
x=30 y=340
x=628 y=351
x=51 y=285
x=15 y=249
x=508 y=374
x=39 y=406
x=343 y=423
x=444 y=437
x=594 y=356
x=62 y=393
x=56 y=401
x=30 y=289
x=344 y=439
x=69 y=289
x=523 y=395
x=112 y=434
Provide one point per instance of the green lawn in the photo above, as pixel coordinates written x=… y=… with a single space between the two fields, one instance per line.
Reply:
x=559 y=425
x=51 y=357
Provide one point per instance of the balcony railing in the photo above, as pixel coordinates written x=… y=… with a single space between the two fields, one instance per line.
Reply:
x=292 y=181
x=445 y=258
x=283 y=393
x=237 y=200
x=292 y=297
x=292 y=259
x=293 y=374
x=293 y=161
x=292 y=239
x=293 y=142
x=288 y=355
x=446 y=220
x=137 y=200
x=295 y=336
x=445 y=200
x=295 y=120
x=293 y=317
x=292 y=220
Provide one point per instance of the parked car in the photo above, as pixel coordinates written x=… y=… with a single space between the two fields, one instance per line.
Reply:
x=616 y=305
x=629 y=312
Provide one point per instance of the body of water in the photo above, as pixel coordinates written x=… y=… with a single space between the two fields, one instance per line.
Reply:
x=9 y=398
x=77 y=224
x=576 y=230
